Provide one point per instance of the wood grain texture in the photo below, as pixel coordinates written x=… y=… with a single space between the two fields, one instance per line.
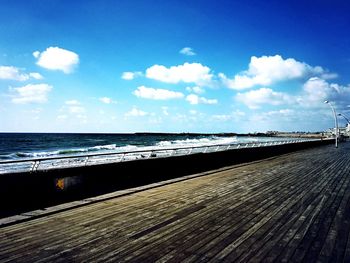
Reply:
x=291 y=208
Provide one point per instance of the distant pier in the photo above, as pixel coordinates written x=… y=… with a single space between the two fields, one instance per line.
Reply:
x=293 y=207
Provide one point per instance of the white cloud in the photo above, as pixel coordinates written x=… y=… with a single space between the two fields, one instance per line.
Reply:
x=165 y=111
x=195 y=99
x=36 y=54
x=31 y=93
x=328 y=75
x=74 y=107
x=128 y=75
x=234 y=116
x=36 y=75
x=266 y=70
x=317 y=90
x=255 y=98
x=134 y=112
x=283 y=115
x=157 y=94
x=188 y=51
x=13 y=73
x=188 y=73
x=36 y=111
x=196 y=89
x=106 y=100
x=222 y=117
x=55 y=58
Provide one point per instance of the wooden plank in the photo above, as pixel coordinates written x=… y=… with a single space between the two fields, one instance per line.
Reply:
x=153 y=243
x=310 y=246
x=338 y=223
x=255 y=209
x=286 y=244
x=295 y=203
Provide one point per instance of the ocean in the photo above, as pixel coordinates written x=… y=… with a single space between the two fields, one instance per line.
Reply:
x=15 y=146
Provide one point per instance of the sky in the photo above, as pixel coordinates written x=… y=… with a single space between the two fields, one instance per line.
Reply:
x=204 y=66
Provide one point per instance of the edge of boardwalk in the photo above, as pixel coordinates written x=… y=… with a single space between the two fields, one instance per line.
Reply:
x=30 y=195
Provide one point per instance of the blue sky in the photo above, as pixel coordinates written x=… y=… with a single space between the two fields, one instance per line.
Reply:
x=173 y=66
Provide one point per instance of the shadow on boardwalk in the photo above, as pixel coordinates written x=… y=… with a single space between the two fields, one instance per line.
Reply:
x=294 y=207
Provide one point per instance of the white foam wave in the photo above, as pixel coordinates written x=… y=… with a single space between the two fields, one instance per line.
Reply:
x=110 y=148
x=197 y=142
x=103 y=147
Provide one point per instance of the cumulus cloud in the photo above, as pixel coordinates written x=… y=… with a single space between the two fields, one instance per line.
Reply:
x=55 y=58
x=188 y=51
x=106 y=100
x=266 y=70
x=255 y=98
x=283 y=115
x=135 y=112
x=222 y=117
x=157 y=94
x=196 y=89
x=36 y=54
x=188 y=73
x=314 y=92
x=128 y=75
x=76 y=109
x=31 y=93
x=317 y=90
x=35 y=75
x=328 y=75
x=13 y=73
x=195 y=99
x=234 y=116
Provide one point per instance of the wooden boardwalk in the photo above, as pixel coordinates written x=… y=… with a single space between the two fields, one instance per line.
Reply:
x=294 y=207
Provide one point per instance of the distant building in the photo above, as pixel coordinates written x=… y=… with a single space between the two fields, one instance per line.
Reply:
x=272 y=132
x=343 y=131
x=347 y=130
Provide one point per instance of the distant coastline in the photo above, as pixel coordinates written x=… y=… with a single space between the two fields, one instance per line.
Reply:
x=219 y=134
x=259 y=134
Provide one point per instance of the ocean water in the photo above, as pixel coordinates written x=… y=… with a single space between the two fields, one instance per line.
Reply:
x=33 y=145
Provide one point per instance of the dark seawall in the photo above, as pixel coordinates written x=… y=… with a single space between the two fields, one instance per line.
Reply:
x=27 y=191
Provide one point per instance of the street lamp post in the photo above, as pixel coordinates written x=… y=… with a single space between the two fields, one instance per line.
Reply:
x=347 y=120
x=347 y=131
x=336 y=122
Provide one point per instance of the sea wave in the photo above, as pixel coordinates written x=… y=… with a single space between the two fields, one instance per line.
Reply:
x=198 y=142
x=111 y=148
x=69 y=152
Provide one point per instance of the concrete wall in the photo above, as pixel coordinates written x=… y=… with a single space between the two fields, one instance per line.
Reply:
x=26 y=191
